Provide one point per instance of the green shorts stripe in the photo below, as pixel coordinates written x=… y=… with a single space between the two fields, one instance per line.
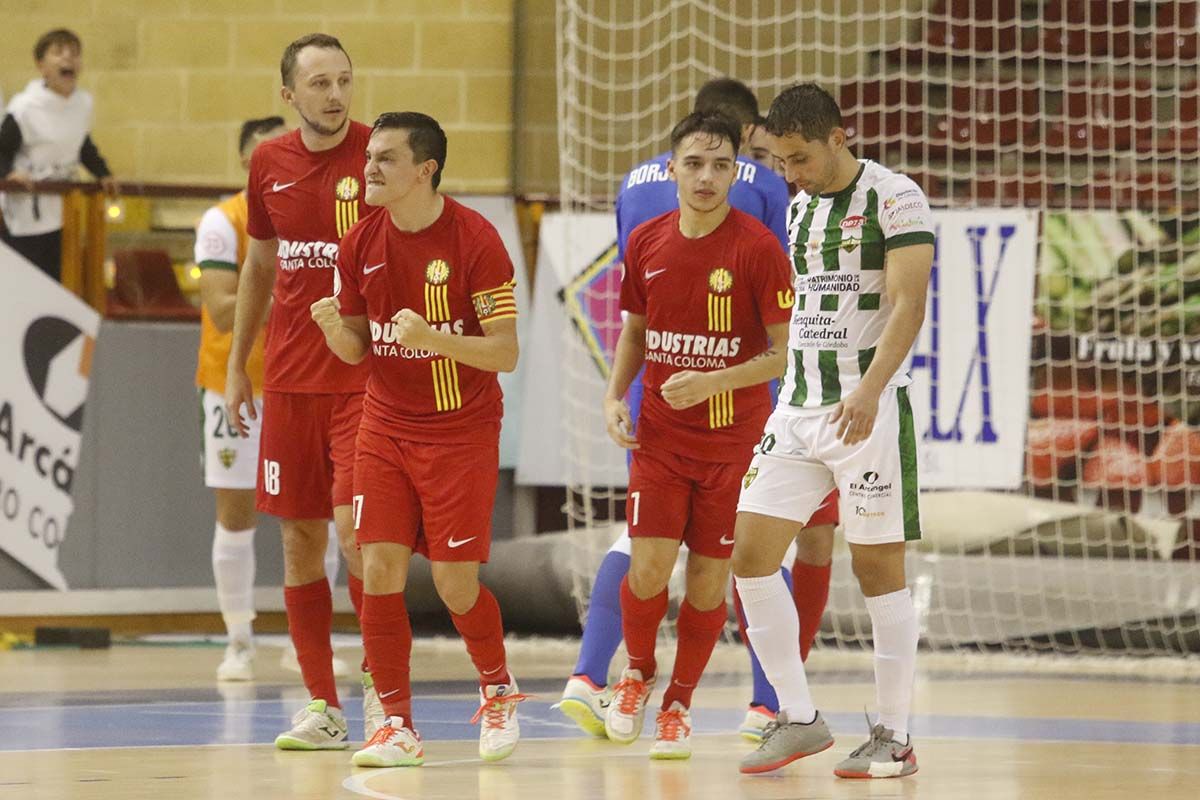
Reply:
x=909 y=492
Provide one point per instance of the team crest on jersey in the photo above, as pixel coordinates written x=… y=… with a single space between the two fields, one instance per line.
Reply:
x=853 y=222
x=720 y=280
x=347 y=188
x=227 y=455
x=485 y=305
x=749 y=478
x=437 y=272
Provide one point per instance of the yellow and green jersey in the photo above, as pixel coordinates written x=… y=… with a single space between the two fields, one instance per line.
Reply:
x=839 y=243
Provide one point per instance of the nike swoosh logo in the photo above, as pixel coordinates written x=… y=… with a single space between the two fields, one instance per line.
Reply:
x=369 y=270
x=388 y=694
x=655 y=273
x=279 y=187
x=459 y=543
x=726 y=541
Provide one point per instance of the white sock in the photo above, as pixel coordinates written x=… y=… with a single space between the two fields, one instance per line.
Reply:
x=332 y=553
x=774 y=631
x=895 y=631
x=233 y=569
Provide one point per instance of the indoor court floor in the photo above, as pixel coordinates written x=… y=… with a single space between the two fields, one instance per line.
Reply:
x=148 y=721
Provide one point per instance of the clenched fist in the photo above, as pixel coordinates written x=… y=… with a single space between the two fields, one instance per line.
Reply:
x=326 y=312
x=411 y=329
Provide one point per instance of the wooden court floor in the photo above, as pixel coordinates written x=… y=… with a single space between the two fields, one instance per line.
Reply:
x=141 y=721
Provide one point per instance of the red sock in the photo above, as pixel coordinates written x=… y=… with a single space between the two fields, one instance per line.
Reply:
x=482 y=630
x=356 y=599
x=387 y=638
x=698 y=634
x=639 y=624
x=310 y=622
x=810 y=591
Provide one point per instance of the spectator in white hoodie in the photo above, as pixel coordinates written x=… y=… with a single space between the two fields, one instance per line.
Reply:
x=45 y=137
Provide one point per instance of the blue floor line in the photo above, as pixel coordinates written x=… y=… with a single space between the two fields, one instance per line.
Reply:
x=179 y=722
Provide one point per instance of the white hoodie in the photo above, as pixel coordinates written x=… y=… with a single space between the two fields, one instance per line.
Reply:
x=53 y=129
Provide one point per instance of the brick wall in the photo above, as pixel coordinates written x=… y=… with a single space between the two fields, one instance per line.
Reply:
x=173 y=79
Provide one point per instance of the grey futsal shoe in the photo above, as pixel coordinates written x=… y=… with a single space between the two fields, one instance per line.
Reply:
x=880 y=757
x=784 y=742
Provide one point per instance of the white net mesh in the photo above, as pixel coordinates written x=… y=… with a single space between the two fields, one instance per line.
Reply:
x=1087 y=112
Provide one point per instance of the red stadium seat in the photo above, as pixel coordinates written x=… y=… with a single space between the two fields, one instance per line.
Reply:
x=1073 y=28
x=1147 y=190
x=145 y=288
x=985 y=115
x=883 y=114
x=982 y=27
x=1099 y=116
x=1176 y=33
x=1178 y=132
x=1030 y=190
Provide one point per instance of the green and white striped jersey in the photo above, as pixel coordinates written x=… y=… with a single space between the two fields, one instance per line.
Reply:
x=838 y=245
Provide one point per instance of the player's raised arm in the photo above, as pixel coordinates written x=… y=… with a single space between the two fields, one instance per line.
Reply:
x=346 y=336
x=255 y=282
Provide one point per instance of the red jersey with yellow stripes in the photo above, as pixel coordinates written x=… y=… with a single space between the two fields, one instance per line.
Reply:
x=457 y=275
x=306 y=201
x=707 y=303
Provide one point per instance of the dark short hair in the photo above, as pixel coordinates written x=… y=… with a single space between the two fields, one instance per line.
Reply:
x=730 y=97
x=287 y=64
x=56 y=37
x=426 y=138
x=253 y=127
x=712 y=123
x=806 y=109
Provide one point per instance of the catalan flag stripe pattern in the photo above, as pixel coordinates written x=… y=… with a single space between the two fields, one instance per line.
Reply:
x=503 y=303
x=720 y=410
x=720 y=313
x=437 y=303
x=446 y=394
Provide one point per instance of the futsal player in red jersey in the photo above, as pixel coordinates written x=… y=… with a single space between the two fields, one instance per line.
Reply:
x=426 y=298
x=707 y=291
x=304 y=192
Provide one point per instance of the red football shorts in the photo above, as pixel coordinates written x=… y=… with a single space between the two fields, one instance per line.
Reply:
x=693 y=501
x=827 y=514
x=306 y=458
x=434 y=498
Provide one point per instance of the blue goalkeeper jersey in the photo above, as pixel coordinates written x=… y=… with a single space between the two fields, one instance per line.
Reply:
x=647 y=192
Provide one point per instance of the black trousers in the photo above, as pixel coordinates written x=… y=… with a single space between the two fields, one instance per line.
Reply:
x=44 y=250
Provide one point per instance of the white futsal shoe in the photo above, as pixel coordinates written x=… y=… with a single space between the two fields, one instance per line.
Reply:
x=317 y=726
x=585 y=704
x=499 y=730
x=238 y=663
x=394 y=744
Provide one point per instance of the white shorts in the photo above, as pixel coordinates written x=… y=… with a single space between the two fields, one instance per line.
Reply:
x=230 y=461
x=800 y=459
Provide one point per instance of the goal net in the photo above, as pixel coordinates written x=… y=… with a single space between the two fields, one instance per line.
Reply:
x=1075 y=124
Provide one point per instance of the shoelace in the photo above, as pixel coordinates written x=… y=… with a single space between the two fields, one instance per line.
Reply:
x=383 y=735
x=670 y=723
x=877 y=741
x=495 y=710
x=630 y=691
